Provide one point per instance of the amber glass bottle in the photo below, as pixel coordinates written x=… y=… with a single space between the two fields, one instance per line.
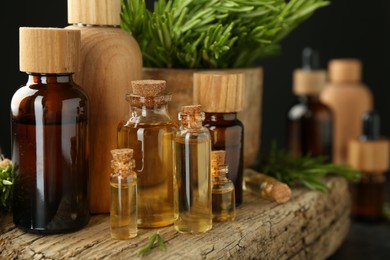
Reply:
x=224 y=201
x=50 y=135
x=149 y=131
x=369 y=154
x=193 y=198
x=310 y=122
x=123 y=195
x=221 y=96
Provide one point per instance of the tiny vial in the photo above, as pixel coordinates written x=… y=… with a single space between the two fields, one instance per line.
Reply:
x=223 y=196
x=193 y=205
x=123 y=195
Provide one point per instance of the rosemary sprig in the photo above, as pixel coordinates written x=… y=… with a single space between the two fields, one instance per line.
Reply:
x=307 y=170
x=6 y=184
x=213 y=33
x=154 y=240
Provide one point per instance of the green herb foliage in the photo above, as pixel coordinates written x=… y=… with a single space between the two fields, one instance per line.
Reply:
x=213 y=33
x=306 y=170
x=6 y=184
x=154 y=240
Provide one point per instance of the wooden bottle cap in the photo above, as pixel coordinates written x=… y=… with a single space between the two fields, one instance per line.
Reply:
x=218 y=157
x=123 y=155
x=369 y=156
x=96 y=12
x=48 y=50
x=219 y=92
x=345 y=70
x=192 y=109
x=148 y=87
x=306 y=82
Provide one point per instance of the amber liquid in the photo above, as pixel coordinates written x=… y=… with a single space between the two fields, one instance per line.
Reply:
x=194 y=198
x=153 y=155
x=227 y=133
x=223 y=202
x=310 y=129
x=368 y=197
x=123 y=207
x=50 y=154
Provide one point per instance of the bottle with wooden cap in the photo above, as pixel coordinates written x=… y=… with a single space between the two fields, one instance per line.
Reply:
x=369 y=154
x=110 y=60
x=349 y=99
x=193 y=198
x=310 y=121
x=50 y=122
x=123 y=195
x=223 y=198
x=221 y=96
x=149 y=130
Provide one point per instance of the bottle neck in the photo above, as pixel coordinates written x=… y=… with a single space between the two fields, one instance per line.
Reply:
x=312 y=98
x=221 y=117
x=36 y=78
x=219 y=173
x=192 y=121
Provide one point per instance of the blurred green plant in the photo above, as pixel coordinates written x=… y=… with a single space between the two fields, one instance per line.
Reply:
x=213 y=33
x=6 y=184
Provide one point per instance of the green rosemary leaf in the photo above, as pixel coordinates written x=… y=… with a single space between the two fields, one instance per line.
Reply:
x=7 y=180
x=153 y=240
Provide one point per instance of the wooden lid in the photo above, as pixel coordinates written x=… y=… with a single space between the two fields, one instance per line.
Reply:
x=306 y=82
x=369 y=156
x=148 y=87
x=97 y=12
x=48 y=50
x=219 y=92
x=345 y=70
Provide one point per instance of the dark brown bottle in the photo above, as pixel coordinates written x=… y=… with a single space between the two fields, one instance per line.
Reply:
x=221 y=96
x=310 y=122
x=50 y=135
x=370 y=155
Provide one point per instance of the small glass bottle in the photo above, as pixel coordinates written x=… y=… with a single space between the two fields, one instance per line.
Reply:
x=310 y=122
x=149 y=130
x=123 y=195
x=193 y=204
x=223 y=198
x=221 y=96
x=369 y=154
x=50 y=149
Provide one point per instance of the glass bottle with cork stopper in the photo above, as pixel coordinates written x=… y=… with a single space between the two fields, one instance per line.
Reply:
x=110 y=58
x=223 y=198
x=221 y=96
x=50 y=125
x=310 y=122
x=369 y=154
x=193 y=199
x=149 y=131
x=123 y=195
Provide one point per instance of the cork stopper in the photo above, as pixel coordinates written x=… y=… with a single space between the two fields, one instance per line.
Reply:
x=94 y=12
x=192 y=109
x=218 y=158
x=148 y=87
x=369 y=156
x=123 y=155
x=307 y=82
x=48 y=50
x=345 y=70
x=219 y=92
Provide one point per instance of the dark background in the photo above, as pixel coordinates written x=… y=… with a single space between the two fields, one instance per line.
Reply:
x=346 y=28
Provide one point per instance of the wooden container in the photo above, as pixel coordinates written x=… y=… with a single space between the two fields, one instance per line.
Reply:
x=110 y=60
x=180 y=84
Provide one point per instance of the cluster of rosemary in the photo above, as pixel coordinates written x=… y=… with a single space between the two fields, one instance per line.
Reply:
x=306 y=170
x=212 y=33
x=6 y=184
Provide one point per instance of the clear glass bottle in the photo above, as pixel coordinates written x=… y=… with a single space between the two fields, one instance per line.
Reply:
x=123 y=195
x=221 y=96
x=369 y=154
x=149 y=130
x=50 y=135
x=310 y=122
x=193 y=204
x=223 y=196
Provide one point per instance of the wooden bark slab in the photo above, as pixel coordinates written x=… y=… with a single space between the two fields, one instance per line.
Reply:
x=312 y=225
